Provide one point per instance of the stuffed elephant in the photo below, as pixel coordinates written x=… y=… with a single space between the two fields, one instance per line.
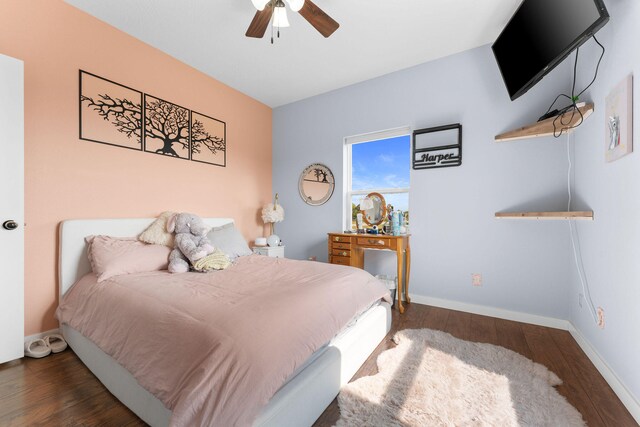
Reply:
x=191 y=243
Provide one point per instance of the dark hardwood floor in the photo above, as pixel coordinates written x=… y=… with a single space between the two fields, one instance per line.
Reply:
x=60 y=391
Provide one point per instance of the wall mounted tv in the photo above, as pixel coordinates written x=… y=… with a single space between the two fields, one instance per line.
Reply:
x=540 y=35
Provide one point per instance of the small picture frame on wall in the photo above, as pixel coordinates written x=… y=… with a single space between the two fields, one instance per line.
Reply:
x=437 y=147
x=110 y=113
x=619 y=120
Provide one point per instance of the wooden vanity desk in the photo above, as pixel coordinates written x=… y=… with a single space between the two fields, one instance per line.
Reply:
x=348 y=249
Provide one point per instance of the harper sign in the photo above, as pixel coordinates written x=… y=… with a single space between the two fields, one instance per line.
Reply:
x=432 y=159
x=437 y=147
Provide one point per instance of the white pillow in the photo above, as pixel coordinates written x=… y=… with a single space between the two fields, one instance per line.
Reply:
x=157 y=233
x=229 y=240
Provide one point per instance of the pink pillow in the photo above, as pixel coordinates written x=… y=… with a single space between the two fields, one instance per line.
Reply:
x=111 y=256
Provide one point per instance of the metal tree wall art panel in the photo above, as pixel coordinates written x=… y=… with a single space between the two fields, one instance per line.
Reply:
x=110 y=113
x=114 y=114
x=208 y=140
x=166 y=128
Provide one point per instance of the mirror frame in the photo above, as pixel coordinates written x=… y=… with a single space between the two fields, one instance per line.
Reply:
x=383 y=214
x=331 y=180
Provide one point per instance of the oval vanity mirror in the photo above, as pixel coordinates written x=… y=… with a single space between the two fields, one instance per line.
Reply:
x=316 y=184
x=374 y=209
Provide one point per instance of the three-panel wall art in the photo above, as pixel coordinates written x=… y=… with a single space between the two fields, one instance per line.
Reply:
x=111 y=113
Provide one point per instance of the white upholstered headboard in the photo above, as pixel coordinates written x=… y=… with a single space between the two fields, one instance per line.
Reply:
x=73 y=262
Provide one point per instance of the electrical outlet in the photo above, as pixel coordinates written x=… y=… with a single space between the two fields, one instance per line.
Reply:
x=600 y=317
x=476 y=279
x=580 y=299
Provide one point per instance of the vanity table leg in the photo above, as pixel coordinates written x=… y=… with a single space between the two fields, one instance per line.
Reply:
x=400 y=256
x=406 y=286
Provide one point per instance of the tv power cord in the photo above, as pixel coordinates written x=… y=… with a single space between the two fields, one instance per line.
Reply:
x=561 y=116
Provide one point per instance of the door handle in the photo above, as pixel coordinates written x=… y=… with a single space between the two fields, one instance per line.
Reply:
x=10 y=225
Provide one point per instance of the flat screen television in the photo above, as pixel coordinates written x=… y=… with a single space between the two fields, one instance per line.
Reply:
x=540 y=35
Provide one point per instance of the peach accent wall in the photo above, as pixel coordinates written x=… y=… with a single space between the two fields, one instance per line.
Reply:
x=66 y=177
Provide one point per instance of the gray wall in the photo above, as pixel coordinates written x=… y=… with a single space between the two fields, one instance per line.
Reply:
x=525 y=264
x=610 y=245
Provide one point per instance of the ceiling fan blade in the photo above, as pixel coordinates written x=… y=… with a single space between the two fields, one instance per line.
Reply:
x=260 y=23
x=320 y=20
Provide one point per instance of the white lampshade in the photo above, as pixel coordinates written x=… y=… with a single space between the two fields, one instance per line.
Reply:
x=271 y=213
x=260 y=4
x=366 y=204
x=295 y=5
x=280 y=17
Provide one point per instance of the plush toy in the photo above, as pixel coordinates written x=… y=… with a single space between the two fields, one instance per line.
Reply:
x=191 y=243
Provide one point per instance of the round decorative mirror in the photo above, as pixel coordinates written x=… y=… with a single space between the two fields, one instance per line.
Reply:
x=316 y=184
x=374 y=209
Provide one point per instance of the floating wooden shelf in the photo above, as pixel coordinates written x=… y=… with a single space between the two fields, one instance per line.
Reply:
x=545 y=127
x=588 y=215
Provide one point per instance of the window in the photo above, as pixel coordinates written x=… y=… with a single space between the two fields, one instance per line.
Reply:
x=380 y=163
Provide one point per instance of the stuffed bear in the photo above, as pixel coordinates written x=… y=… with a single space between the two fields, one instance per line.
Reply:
x=191 y=243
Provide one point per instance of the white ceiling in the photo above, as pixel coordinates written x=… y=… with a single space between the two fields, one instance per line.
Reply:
x=375 y=37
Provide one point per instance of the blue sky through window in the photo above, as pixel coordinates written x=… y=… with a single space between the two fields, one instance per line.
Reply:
x=382 y=164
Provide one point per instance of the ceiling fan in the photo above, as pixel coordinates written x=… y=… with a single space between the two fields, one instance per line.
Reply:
x=276 y=8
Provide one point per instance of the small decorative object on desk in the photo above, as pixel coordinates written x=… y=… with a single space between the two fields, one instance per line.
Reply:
x=261 y=241
x=397 y=223
x=406 y=223
x=271 y=214
x=359 y=222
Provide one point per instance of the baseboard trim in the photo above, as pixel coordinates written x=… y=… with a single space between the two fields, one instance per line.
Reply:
x=500 y=313
x=623 y=393
x=41 y=335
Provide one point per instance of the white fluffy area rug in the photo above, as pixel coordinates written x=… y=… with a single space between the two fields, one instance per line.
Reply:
x=434 y=379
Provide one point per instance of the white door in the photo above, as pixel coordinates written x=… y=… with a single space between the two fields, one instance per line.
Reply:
x=11 y=208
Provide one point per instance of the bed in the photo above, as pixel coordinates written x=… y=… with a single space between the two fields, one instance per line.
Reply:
x=302 y=398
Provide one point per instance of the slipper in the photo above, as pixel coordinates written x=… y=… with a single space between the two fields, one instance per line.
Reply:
x=37 y=349
x=55 y=342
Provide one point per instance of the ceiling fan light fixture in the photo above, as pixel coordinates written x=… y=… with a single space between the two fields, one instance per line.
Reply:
x=295 y=5
x=280 y=15
x=274 y=12
x=260 y=4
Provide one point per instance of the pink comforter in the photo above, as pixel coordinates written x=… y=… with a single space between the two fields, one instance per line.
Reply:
x=215 y=347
